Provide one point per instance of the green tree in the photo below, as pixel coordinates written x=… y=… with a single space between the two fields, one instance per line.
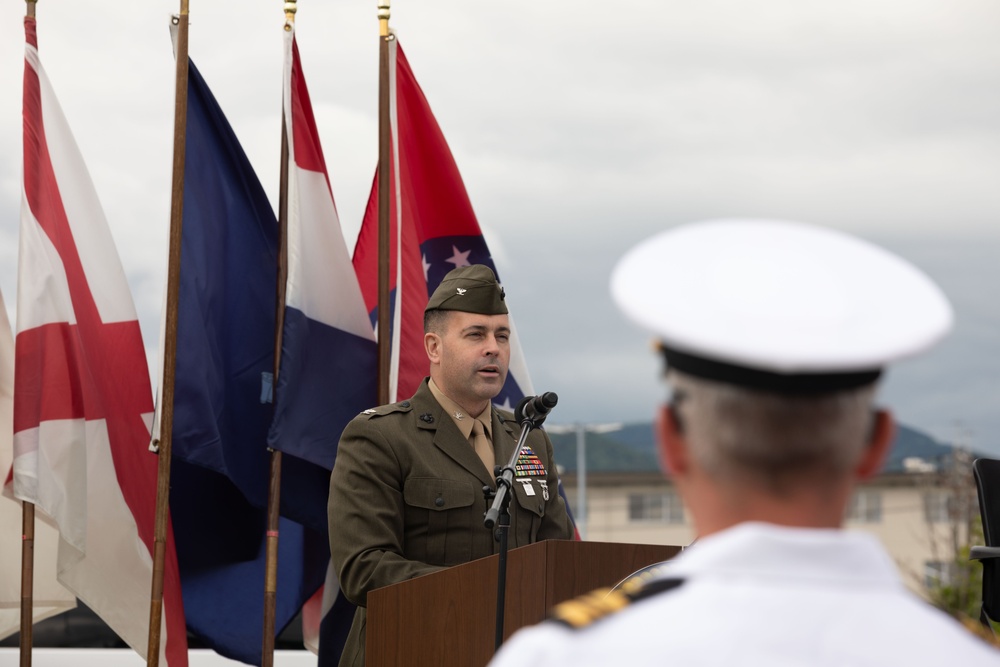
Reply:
x=959 y=589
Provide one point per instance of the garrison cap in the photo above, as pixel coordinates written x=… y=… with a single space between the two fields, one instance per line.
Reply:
x=778 y=306
x=471 y=289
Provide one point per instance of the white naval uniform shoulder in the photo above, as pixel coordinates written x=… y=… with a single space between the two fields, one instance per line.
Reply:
x=581 y=612
x=762 y=594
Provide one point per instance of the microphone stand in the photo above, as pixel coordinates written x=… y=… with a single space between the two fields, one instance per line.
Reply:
x=499 y=515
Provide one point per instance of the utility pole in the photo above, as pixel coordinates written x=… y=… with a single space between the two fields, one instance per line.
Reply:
x=581 y=430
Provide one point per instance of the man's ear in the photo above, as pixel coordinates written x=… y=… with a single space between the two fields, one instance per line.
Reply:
x=672 y=446
x=432 y=346
x=883 y=433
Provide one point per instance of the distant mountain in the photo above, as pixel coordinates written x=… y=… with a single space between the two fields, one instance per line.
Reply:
x=633 y=449
x=628 y=450
x=911 y=443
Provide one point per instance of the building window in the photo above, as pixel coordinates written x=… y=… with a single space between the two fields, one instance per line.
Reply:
x=938 y=573
x=866 y=507
x=937 y=506
x=659 y=507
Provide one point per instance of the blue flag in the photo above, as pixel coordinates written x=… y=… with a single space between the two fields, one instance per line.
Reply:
x=225 y=357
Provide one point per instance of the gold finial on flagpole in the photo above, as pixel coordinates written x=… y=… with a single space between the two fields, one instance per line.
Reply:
x=383 y=18
x=31 y=7
x=290 y=9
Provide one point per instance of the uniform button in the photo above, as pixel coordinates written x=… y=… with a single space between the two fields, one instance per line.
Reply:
x=404 y=404
x=439 y=501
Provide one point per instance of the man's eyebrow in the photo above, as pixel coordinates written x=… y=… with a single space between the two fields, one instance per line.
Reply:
x=483 y=327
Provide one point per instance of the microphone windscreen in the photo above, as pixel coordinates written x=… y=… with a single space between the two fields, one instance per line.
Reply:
x=519 y=410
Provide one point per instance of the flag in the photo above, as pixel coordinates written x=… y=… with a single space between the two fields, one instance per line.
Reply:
x=49 y=597
x=328 y=370
x=326 y=621
x=433 y=230
x=329 y=365
x=222 y=411
x=82 y=396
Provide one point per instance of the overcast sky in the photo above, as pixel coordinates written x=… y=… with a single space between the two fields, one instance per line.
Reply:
x=581 y=128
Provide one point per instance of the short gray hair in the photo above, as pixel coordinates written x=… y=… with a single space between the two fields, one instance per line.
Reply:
x=436 y=321
x=769 y=439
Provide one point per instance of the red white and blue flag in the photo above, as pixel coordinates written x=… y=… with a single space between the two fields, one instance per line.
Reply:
x=433 y=230
x=328 y=372
x=439 y=232
x=82 y=401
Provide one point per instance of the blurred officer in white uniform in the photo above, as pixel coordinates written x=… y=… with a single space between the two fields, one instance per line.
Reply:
x=774 y=335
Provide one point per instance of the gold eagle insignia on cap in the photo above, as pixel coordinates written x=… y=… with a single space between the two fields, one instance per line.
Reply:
x=471 y=289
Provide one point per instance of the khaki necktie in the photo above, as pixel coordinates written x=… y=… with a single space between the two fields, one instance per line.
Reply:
x=482 y=444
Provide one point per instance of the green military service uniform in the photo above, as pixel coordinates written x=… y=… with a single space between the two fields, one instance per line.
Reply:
x=406 y=497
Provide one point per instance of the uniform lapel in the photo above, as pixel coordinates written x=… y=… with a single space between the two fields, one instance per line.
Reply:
x=447 y=437
x=504 y=438
x=450 y=441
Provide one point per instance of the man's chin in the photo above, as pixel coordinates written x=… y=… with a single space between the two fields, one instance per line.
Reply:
x=488 y=386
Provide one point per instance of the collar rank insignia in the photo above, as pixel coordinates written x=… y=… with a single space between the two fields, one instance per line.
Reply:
x=528 y=464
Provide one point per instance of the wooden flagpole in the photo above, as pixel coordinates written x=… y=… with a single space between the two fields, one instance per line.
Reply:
x=274 y=482
x=384 y=153
x=27 y=537
x=163 y=445
x=27 y=578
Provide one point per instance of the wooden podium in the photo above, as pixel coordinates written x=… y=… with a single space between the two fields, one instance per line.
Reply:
x=448 y=618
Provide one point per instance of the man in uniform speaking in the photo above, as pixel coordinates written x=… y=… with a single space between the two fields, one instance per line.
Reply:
x=406 y=494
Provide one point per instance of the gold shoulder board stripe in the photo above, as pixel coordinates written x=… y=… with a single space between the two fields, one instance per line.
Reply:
x=603 y=602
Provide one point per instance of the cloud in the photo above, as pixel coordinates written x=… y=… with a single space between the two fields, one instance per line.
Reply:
x=580 y=129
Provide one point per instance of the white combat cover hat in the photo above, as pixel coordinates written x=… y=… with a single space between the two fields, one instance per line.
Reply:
x=778 y=305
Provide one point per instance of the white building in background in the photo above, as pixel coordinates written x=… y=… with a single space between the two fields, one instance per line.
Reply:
x=919 y=514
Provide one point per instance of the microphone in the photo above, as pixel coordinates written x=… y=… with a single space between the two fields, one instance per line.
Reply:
x=535 y=408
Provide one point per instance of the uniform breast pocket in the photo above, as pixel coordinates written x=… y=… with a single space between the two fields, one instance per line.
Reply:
x=530 y=494
x=439 y=515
